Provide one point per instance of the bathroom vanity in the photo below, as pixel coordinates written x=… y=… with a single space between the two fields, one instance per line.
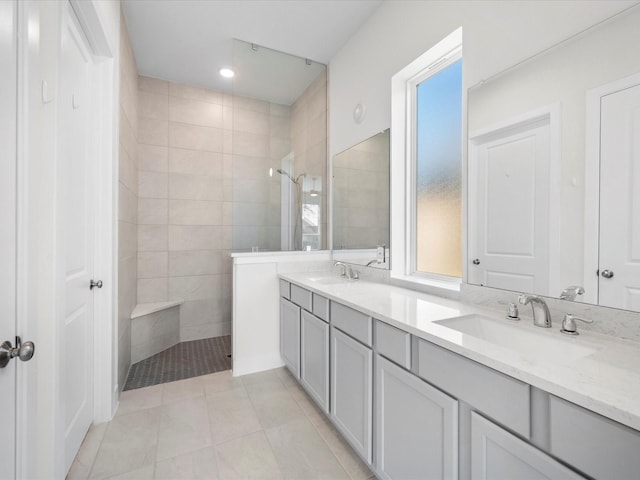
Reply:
x=417 y=397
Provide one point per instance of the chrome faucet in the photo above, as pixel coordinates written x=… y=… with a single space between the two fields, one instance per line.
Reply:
x=541 y=315
x=347 y=271
x=570 y=293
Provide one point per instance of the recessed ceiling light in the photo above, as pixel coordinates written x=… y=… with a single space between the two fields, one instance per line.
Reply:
x=227 y=72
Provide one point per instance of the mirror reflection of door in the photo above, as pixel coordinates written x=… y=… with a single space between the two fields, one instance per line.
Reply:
x=619 y=253
x=509 y=222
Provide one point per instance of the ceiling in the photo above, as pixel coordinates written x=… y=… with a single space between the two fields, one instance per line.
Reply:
x=188 y=41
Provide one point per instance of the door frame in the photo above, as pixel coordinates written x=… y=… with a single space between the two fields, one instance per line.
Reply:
x=552 y=114
x=39 y=419
x=592 y=182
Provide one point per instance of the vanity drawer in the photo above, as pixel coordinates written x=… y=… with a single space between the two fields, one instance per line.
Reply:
x=499 y=396
x=597 y=446
x=321 y=307
x=394 y=344
x=285 y=289
x=352 y=322
x=301 y=297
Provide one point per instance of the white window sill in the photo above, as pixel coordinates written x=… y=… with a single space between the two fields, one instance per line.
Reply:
x=440 y=288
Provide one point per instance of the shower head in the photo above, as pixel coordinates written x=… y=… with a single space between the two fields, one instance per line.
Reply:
x=296 y=180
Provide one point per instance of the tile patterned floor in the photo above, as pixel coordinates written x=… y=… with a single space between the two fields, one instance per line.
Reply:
x=260 y=426
x=184 y=360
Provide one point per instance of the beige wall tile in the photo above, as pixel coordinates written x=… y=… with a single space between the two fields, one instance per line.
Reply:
x=127 y=170
x=182 y=135
x=195 y=262
x=128 y=204
x=204 y=331
x=192 y=187
x=250 y=168
x=194 y=212
x=153 y=158
x=153 y=132
x=195 y=162
x=194 y=237
x=195 y=112
x=195 y=93
x=152 y=211
x=250 y=144
x=194 y=287
x=152 y=264
x=250 y=104
x=126 y=239
x=153 y=105
x=250 y=121
x=153 y=184
x=153 y=85
x=152 y=238
x=249 y=214
x=252 y=191
x=152 y=290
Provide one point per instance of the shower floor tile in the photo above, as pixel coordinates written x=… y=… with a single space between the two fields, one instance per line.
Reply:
x=184 y=360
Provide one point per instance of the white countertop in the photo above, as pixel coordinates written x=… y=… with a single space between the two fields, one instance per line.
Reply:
x=607 y=381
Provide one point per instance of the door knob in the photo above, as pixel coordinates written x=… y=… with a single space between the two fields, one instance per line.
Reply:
x=607 y=273
x=24 y=351
x=476 y=261
x=93 y=284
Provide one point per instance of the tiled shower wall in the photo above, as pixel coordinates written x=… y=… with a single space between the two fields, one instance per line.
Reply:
x=128 y=202
x=204 y=190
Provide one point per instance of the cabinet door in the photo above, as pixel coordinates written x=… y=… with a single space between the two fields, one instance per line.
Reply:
x=314 y=360
x=498 y=455
x=351 y=391
x=290 y=336
x=417 y=427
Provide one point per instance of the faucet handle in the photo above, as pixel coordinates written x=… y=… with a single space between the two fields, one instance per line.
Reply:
x=512 y=312
x=569 y=326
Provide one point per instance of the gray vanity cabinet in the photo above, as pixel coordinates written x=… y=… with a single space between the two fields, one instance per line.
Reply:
x=595 y=445
x=351 y=390
x=498 y=455
x=290 y=336
x=314 y=358
x=416 y=427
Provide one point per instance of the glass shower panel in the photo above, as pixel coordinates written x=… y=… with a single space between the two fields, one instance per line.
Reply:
x=278 y=151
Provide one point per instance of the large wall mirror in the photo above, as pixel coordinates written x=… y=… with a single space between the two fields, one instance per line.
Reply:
x=360 y=192
x=554 y=170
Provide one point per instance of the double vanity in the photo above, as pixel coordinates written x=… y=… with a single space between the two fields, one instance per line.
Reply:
x=424 y=387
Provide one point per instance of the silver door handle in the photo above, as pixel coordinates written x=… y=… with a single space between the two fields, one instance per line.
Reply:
x=93 y=284
x=476 y=261
x=607 y=273
x=24 y=351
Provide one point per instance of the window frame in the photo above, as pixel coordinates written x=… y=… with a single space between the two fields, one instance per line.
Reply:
x=403 y=165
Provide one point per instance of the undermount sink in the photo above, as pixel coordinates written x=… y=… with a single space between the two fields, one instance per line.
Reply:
x=329 y=279
x=536 y=346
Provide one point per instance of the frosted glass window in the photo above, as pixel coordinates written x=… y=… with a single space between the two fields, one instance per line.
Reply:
x=438 y=213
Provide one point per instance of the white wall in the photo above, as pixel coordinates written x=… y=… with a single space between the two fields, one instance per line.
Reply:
x=497 y=34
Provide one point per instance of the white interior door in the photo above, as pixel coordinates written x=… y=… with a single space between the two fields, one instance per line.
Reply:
x=8 y=95
x=619 y=262
x=509 y=216
x=75 y=233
